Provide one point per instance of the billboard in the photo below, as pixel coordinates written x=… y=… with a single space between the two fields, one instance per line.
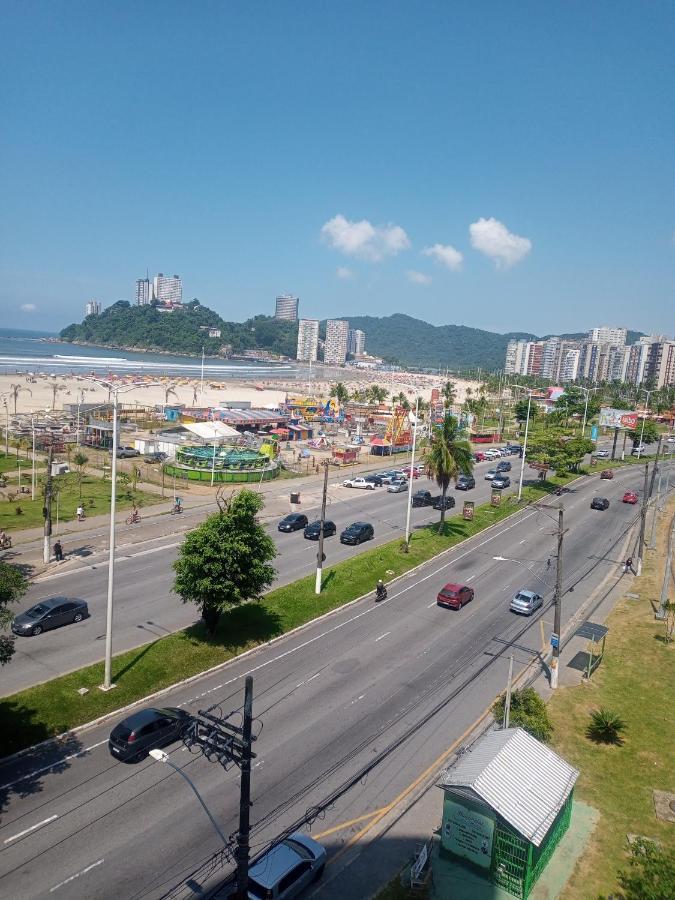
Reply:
x=618 y=418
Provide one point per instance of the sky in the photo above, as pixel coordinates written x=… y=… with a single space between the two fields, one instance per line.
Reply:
x=508 y=166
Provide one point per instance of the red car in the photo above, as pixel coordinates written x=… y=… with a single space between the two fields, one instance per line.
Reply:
x=479 y=457
x=630 y=497
x=454 y=596
x=607 y=473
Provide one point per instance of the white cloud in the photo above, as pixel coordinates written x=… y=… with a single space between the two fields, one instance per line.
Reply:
x=493 y=238
x=28 y=307
x=344 y=273
x=418 y=277
x=364 y=240
x=446 y=255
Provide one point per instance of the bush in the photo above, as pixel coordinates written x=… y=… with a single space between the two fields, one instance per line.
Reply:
x=605 y=727
x=528 y=711
x=652 y=872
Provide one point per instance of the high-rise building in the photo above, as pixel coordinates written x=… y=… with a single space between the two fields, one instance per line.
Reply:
x=607 y=335
x=287 y=307
x=308 y=340
x=93 y=308
x=167 y=288
x=356 y=342
x=619 y=358
x=516 y=358
x=569 y=364
x=335 y=349
x=144 y=294
x=550 y=358
x=660 y=366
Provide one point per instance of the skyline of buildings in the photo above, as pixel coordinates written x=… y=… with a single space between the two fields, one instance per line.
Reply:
x=165 y=289
x=286 y=307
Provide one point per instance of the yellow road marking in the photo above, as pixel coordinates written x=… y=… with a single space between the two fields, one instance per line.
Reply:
x=344 y=825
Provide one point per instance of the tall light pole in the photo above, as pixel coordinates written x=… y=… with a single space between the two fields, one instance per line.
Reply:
x=4 y=400
x=527 y=428
x=644 y=417
x=586 y=391
x=32 y=476
x=412 y=477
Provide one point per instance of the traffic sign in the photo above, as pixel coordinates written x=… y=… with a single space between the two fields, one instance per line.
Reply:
x=555 y=640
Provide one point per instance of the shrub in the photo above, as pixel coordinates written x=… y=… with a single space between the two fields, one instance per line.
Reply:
x=652 y=872
x=605 y=727
x=528 y=711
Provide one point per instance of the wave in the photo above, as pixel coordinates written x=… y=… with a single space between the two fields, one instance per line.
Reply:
x=117 y=363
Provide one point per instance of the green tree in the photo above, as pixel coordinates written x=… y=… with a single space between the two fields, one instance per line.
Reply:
x=13 y=586
x=651 y=875
x=80 y=459
x=520 y=411
x=559 y=452
x=449 y=393
x=15 y=390
x=225 y=561
x=528 y=711
x=448 y=456
x=649 y=435
x=376 y=394
x=340 y=392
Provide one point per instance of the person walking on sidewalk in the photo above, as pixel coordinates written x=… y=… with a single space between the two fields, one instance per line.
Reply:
x=58 y=551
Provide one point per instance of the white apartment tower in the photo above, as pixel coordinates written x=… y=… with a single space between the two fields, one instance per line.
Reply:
x=335 y=349
x=607 y=335
x=517 y=355
x=167 y=288
x=356 y=342
x=308 y=340
x=286 y=307
x=144 y=294
x=93 y=308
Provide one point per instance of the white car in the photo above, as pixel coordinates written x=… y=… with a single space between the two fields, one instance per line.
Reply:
x=601 y=454
x=491 y=454
x=493 y=473
x=671 y=439
x=359 y=483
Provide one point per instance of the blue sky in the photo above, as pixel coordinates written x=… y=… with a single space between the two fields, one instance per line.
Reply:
x=509 y=166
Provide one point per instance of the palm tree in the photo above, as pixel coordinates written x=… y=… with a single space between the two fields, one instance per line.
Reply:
x=15 y=389
x=80 y=459
x=340 y=392
x=449 y=393
x=55 y=389
x=448 y=456
x=377 y=394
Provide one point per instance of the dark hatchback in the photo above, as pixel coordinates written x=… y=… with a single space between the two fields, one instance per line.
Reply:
x=374 y=479
x=313 y=530
x=293 y=522
x=357 y=533
x=599 y=503
x=465 y=483
x=441 y=502
x=48 y=614
x=146 y=729
x=504 y=466
x=422 y=498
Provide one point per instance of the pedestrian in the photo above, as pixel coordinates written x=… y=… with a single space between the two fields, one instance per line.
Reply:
x=58 y=551
x=628 y=565
x=548 y=563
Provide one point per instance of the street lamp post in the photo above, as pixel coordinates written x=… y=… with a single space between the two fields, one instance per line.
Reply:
x=644 y=417
x=410 y=483
x=586 y=391
x=32 y=475
x=527 y=428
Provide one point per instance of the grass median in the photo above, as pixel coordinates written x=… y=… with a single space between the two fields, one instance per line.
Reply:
x=54 y=707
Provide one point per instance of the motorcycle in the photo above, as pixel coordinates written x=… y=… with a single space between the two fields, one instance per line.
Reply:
x=380 y=593
x=176 y=509
x=133 y=519
x=6 y=543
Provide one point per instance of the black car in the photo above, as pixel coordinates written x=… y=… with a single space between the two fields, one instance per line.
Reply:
x=504 y=466
x=293 y=522
x=357 y=532
x=48 y=614
x=599 y=503
x=422 y=498
x=146 y=729
x=154 y=457
x=465 y=483
x=374 y=479
x=441 y=502
x=312 y=530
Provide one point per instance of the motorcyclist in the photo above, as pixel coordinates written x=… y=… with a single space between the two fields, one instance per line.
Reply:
x=380 y=591
x=80 y=513
x=177 y=505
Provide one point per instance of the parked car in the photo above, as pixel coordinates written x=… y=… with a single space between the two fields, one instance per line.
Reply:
x=607 y=473
x=630 y=497
x=465 y=483
x=526 y=602
x=514 y=449
x=490 y=474
x=504 y=466
x=422 y=498
x=287 y=868
x=638 y=450
x=127 y=452
x=387 y=477
x=501 y=482
x=601 y=454
x=454 y=596
x=155 y=457
x=293 y=522
x=397 y=486
x=599 y=503
x=408 y=472
x=146 y=729
x=491 y=454
x=374 y=479
x=479 y=456
x=441 y=502
x=359 y=482
x=313 y=530
x=357 y=533
x=51 y=613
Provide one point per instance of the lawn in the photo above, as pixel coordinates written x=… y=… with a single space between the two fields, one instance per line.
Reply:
x=10 y=464
x=55 y=707
x=634 y=680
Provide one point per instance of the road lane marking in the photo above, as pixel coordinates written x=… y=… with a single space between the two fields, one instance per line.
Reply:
x=15 y=837
x=360 y=697
x=58 y=762
x=382 y=636
x=76 y=875
x=433 y=603
x=343 y=825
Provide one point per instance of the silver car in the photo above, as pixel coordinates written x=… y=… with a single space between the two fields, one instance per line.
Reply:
x=398 y=486
x=287 y=869
x=526 y=602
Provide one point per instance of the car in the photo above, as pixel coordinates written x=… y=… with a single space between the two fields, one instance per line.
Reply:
x=441 y=502
x=127 y=453
x=491 y=454
x=607 y=473
x=638 y=450
x=501 y=482
x=514 y=448
x=526 y=602
x=50 y=613
x=313 y=530
x=504 y=466
x=293 y=522
x=630 y=497
x=419 y=467
x=671 y=439
x=454 y=596
x=133 y=737
x=359 y=482
x=479 y=456
x=422 y=498
x=387 y=477
x=490 y=474
x=286 y=869
x=357 y=533
x=599 y=503
x=408 y=472
x=601 y=454
x=397 y=486
x=155 y=457
x=465 y=483
x=374 y=479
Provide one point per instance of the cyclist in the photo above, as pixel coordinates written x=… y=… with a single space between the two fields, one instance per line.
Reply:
x=80 y=513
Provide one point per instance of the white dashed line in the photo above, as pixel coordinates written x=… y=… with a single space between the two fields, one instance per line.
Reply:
x=382 y=636
x=76 y=875
x=15 y=837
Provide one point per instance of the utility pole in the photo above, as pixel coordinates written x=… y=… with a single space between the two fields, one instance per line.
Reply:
x=555 y=661
x=643 y=519
x=507 y=702
x=522 y=464
x=319 y=555
x=661 y=611
x=616 y=437
x=46 y=549
x=411 y=478
x=243 y=849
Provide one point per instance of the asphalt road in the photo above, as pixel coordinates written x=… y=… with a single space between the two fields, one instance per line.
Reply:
x=403 y=678
x=145 y=606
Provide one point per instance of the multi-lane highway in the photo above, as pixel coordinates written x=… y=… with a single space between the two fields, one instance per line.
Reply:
x=396 y=681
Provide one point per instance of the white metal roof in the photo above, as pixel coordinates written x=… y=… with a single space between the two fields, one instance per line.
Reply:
x=519 y=777
x=209 y=431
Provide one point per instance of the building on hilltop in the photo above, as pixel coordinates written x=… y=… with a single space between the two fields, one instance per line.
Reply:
x=335 y=348
x=144 y=292
x=286 y=307
x=308 y=340
x=93 y=308
x=167 y=289
x=356 y=342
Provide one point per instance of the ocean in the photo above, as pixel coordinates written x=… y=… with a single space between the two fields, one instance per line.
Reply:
x=28 y=351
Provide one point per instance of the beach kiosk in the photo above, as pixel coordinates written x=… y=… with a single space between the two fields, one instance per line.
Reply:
x=506 y=805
